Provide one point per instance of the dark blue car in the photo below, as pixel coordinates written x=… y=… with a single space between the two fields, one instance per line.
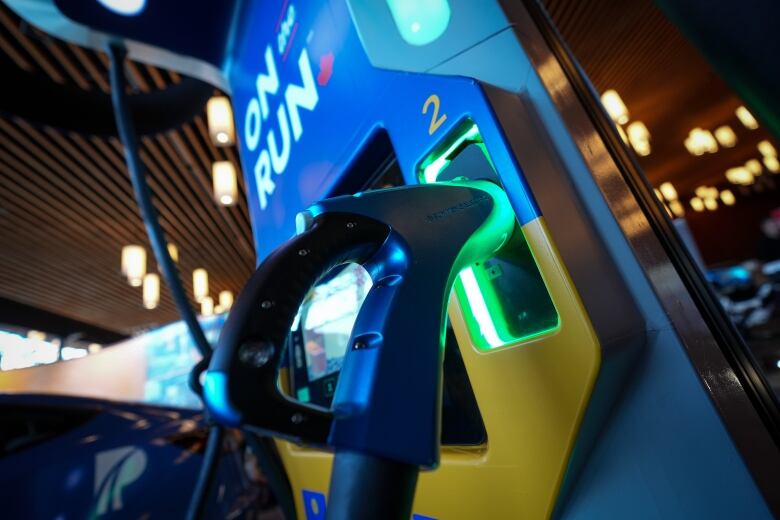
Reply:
x=74 y=458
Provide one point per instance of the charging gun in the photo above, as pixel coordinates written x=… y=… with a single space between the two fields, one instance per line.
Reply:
x=384 y=423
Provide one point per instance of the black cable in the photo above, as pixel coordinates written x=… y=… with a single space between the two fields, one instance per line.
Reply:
x=143 y=196
x=208 y=472
x=159 y=245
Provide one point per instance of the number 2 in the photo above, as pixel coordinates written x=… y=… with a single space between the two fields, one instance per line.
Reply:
x=436 y=121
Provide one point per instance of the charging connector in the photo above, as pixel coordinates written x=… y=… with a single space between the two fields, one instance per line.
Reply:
x=505 y=300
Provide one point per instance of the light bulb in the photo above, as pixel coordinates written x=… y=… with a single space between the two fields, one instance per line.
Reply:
x=225 y=183
x=134 y=264
x=200 y=284
x=615 y=107
x=219 y=115
x=151 y=290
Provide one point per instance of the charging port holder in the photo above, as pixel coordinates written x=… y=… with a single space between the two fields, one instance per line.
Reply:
x=505 y=300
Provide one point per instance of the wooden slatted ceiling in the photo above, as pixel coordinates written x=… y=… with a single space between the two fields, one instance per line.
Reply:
x=631 y=47
x=67 y=204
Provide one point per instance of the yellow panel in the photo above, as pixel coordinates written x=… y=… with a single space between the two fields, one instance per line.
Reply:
x=532 y=397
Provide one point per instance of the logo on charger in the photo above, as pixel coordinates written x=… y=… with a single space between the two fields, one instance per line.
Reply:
x=272 y=140
x=286 y=30
x=274 y=154
x=314 y=506
x=446 y=212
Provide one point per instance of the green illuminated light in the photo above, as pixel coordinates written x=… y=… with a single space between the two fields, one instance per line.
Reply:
x=420 y=22
x=479 y=308
x=303 y=394
x=493 y=314
x=432 y=170
x=486 y=315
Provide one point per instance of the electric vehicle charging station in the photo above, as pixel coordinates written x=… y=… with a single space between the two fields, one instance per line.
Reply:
x=565 y=356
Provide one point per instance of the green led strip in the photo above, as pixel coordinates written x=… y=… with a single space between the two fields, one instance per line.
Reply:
x=438 y=162
x=469 y=287
x=483 y=309
x=484 y=313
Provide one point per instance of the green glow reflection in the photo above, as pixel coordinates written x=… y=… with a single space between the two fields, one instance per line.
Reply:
x=504 y=300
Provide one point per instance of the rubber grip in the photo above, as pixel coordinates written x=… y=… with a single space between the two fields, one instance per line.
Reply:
x=256 y=331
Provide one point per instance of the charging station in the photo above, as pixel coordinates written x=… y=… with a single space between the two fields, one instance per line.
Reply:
x=564 y=367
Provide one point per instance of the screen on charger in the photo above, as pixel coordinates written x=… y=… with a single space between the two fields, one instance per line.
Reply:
x=327 y=317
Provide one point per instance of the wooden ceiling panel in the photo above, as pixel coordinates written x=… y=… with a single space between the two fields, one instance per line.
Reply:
x=66 y=204
x=631 y=47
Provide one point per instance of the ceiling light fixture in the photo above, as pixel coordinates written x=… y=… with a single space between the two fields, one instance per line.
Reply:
x=727 y=196
x=707 y=192
x=151 y=290
x=746 y=118
x=225 y=184
x=726 y=136
x=622 y=133
x=134 y=264
x=639 y=137
x=615 y=107
x=207 y=306
x=200 y=284
x=677 y=208
x=753 y=166
x=700 y=141
x=220 y=121
x=739 y=175
x=668 y=191
x=766 y=149
x=173 y=251
x=771 y=163
x=225 y=300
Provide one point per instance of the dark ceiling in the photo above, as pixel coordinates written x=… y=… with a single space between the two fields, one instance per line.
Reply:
x=631 y=47
x=66 y=206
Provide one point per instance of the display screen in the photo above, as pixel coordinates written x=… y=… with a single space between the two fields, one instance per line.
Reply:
x=318 y=345
x=326 y=319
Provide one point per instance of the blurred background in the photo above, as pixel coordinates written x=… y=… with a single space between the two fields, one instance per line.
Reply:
x=67 y=215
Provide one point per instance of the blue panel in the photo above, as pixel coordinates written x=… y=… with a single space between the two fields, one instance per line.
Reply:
x=322 y=70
